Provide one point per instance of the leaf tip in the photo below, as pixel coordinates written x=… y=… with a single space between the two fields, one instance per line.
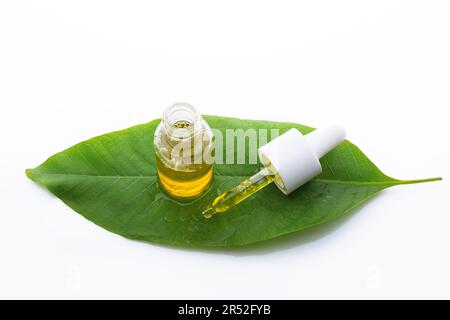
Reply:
x=431 y=179
x=422 y=180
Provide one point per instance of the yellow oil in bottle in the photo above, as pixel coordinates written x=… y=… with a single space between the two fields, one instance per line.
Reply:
x=180 y=175
x=184 y=183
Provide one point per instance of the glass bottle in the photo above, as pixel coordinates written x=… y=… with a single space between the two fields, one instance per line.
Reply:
x=181 y=139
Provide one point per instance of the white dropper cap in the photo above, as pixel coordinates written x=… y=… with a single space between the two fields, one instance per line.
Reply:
x=294 y=158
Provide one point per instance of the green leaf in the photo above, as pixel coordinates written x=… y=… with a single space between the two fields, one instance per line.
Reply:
x=111 y=180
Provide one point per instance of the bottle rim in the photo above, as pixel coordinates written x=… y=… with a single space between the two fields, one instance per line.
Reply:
x=181 y=112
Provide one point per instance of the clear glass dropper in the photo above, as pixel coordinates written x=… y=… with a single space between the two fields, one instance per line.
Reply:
x=290 y=160
x=239 y=193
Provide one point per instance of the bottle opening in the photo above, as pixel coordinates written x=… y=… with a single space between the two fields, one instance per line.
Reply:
x=181 y=120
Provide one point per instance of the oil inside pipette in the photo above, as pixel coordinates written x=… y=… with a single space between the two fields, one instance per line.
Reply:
x=239 y=193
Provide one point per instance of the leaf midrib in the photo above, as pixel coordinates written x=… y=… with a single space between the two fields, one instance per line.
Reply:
x=327 y=181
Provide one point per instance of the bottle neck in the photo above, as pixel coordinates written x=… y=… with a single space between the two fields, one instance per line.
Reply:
x=181 y=121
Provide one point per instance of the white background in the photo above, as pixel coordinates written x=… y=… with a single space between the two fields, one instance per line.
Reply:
x=70 y=70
